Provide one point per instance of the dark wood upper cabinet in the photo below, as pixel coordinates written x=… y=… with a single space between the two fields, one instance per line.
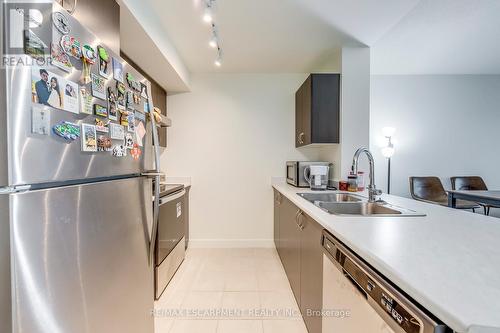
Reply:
x=317 y=110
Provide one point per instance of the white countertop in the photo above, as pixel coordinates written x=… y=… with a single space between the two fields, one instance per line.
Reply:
x=447 y=261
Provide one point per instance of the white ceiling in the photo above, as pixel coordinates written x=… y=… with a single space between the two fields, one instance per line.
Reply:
x=442 y=37
x=406 y=36
x=276 y=35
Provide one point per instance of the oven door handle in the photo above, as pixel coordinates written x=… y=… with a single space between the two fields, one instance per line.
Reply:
x=169 y=198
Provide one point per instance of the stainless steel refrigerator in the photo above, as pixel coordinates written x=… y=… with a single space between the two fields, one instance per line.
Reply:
x=76 y=227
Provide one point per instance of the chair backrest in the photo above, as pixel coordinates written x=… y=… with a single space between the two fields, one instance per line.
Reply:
x=468 y=183
x=428 y=189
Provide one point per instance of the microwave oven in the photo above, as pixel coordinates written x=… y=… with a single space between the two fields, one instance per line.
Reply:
x=295 y=172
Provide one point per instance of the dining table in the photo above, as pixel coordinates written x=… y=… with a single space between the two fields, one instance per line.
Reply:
x=489 y=197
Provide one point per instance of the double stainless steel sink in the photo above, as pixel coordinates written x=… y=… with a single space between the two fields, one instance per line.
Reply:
x=341 y=203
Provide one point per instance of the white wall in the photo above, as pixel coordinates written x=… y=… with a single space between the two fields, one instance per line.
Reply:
x=447 y=125
x=355 y=112
x=231 y=134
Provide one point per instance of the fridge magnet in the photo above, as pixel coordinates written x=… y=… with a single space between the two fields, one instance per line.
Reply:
x=131 y=122
x=129 y=141
x=136 y=152
x=146 y=107
x=71 y=46
x=117 y=70
x=89 y=138
x=119 y=151
x=85 y=101
x=120 y=87
x=137 y=98
x=40 y=120
x=117 y=132
x=129 y=98
x=98 y=86
x=66 y=130
x=139 y=115
x=59 y=58
x=100 y=110
x=111 y=95
x=101 y=125
x=54 y=90
x=103 y=143
x=88 y=59
x=61 y=23
x=124 y=118
x=33 y=45
x=132 y=83
x=104 y=68
x=112 y=111
x=140 y=132
x=144 y=90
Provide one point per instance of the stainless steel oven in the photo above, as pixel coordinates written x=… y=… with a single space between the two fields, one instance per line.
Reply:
x=170 y=241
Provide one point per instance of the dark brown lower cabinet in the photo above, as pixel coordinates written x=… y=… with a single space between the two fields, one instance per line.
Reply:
x=290 y=244
x=311 y=273
x=277 y=203
x=301 y=252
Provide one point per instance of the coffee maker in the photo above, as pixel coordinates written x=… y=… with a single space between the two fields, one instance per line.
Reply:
x=317 y=176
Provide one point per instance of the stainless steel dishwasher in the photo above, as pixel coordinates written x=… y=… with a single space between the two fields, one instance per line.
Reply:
x=357 y=299
x=170 y=241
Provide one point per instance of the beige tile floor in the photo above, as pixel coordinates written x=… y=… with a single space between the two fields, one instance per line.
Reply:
x=229 y=290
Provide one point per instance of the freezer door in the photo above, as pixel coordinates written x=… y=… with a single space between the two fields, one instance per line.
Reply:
x=80 y=258
x=37 y=158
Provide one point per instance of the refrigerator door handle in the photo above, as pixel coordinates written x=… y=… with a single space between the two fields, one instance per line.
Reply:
x=14 y=189
x=156 y=174
x=152 y=174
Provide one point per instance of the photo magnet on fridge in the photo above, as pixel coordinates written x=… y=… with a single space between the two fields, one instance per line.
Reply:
x=60 y=59
x=117 y=70
x=53 y=90
x=100 y=110
x=104 y=60
x=144 y=90
x=85 y=100
x=117 y=132
x=113 y=111
x=89 y=138
x=98 y=86
x=40 y=120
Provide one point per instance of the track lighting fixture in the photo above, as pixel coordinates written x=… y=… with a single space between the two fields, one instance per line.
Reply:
x=208 y=15
x=218 y=60
x=214 y=42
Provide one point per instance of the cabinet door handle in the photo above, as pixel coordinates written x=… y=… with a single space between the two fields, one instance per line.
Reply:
x=297 y=220
x=301 y=137
x=277 y=198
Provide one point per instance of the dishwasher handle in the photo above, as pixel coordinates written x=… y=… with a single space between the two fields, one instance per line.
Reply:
x=355 y=283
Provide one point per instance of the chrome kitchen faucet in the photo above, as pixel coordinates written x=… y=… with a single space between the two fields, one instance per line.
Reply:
x=373 y=193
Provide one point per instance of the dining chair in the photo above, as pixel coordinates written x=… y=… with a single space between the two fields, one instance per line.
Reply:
x=471 y=183
x=431 y=190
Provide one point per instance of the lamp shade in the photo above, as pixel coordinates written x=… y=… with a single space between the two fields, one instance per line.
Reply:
x=388 y=131
x=388 y=151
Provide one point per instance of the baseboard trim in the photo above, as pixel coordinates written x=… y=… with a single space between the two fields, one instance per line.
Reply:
x=231 y=243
